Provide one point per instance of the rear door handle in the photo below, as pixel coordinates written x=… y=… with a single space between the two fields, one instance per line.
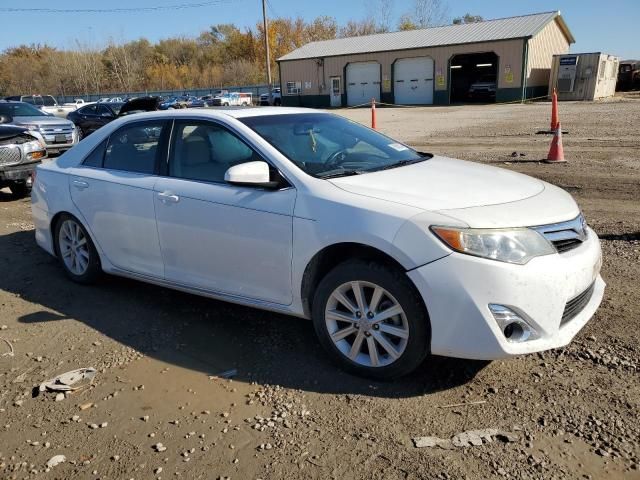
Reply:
x=168 y=197
x=80 y=184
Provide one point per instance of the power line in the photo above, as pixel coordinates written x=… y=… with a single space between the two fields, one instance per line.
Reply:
x=180 y=6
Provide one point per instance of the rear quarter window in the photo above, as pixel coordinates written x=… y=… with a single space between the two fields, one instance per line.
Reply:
x=96 y=157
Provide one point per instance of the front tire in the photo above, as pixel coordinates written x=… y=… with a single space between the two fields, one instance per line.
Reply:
x=371 y=320
x=75 y=250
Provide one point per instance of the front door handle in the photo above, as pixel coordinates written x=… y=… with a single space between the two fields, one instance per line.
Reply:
x=80 y=184
x=168 y=197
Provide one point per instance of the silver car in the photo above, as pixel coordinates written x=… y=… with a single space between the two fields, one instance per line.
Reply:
x=57 y=134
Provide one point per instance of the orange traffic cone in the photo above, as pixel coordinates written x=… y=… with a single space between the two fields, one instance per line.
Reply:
x=555 y=121
x=556 y=152
x=373 y=114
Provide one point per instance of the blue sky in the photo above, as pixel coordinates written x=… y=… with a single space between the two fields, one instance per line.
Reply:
x=607 y=26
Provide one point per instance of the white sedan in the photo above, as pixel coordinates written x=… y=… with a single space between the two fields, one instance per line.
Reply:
x=393 y=253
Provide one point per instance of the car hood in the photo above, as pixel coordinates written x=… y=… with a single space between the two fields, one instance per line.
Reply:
x=443 y=184
x=42 y=121
x=146 y=104
x=11 y=131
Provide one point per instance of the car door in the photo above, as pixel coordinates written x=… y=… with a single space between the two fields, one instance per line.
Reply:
x=219 y=237
x=87 y=118
x=104 y=115
x=113 y=190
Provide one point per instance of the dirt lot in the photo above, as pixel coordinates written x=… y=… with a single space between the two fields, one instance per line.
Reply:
x=289 y=413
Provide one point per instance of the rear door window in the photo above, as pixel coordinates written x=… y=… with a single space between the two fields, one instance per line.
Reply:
x=49 y=101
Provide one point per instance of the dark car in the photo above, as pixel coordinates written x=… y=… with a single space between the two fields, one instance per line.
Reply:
x=90 y=118
x=20 y=153
x=171 y=102
x=628 y=75
x=484 y=88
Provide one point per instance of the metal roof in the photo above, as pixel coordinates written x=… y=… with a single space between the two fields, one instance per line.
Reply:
x=489 y=30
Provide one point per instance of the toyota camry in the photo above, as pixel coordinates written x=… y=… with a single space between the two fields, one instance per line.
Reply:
x=394 y=254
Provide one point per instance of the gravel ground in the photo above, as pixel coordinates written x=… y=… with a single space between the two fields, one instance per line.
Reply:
x=159 y=409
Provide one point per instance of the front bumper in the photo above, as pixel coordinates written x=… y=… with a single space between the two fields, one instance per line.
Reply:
x=458 y=289
x=22 y=171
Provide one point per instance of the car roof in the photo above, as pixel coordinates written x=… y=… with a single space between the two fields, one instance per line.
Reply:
x=233 y=112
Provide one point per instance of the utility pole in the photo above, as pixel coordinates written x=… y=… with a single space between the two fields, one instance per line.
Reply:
x=265 y=24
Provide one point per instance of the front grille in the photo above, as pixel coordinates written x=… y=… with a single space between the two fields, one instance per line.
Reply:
x=565 y=236
x=10 y=155
x=566 y=245
x=65 y=130
x=576 y=305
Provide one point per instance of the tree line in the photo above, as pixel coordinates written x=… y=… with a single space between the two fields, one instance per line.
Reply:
x=222 y=55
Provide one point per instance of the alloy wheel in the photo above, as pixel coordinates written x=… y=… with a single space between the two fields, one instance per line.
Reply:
x=74 y=248
x=366 y=324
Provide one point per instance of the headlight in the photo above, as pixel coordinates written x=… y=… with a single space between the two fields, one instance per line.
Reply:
x=34 y=149
x=512 y=246
x=32 y=127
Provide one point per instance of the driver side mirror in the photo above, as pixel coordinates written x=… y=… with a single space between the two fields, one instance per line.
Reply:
x=250 y=174
x=6 y=119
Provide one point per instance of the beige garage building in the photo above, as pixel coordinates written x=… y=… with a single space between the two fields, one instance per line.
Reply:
x=495 y=60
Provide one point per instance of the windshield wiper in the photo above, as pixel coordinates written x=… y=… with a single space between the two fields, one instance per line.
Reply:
x=340 y=173
x=401 y=163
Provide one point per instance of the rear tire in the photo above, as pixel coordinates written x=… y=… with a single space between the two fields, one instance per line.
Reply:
x=75 y=250
x=371 y=320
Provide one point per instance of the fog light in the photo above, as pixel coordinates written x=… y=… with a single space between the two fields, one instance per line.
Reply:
x=514 y=328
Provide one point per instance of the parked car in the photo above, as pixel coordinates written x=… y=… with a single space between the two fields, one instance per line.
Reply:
x=392 y=253
x=192 y=102
x=171 y=102
x=217 y=93
x=484 y=88
x=276 y=98
x=628 y=75
x=233 y=99
x=46 y=103
x=20 y=153
x=94 y=116
x=77 y=103
x=57 y=134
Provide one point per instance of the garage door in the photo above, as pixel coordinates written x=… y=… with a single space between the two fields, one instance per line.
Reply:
x=413 y=81
x=363 y=82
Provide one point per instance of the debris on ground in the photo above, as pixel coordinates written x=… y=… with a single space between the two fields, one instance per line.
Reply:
x=10 y=353
x=65 y=382
x=464 y=404
x=56 y=460
x=468 y=438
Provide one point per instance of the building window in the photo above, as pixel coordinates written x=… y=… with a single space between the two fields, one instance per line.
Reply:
x=293 y=88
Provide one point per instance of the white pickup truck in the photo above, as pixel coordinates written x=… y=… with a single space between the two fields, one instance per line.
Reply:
x=232 y=99
x=48 y=104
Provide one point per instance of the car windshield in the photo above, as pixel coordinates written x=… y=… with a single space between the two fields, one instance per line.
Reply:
x=326 y=145
x=115 y=107
x=20 y=110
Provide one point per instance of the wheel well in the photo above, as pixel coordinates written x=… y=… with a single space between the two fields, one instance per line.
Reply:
x=330 y=257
